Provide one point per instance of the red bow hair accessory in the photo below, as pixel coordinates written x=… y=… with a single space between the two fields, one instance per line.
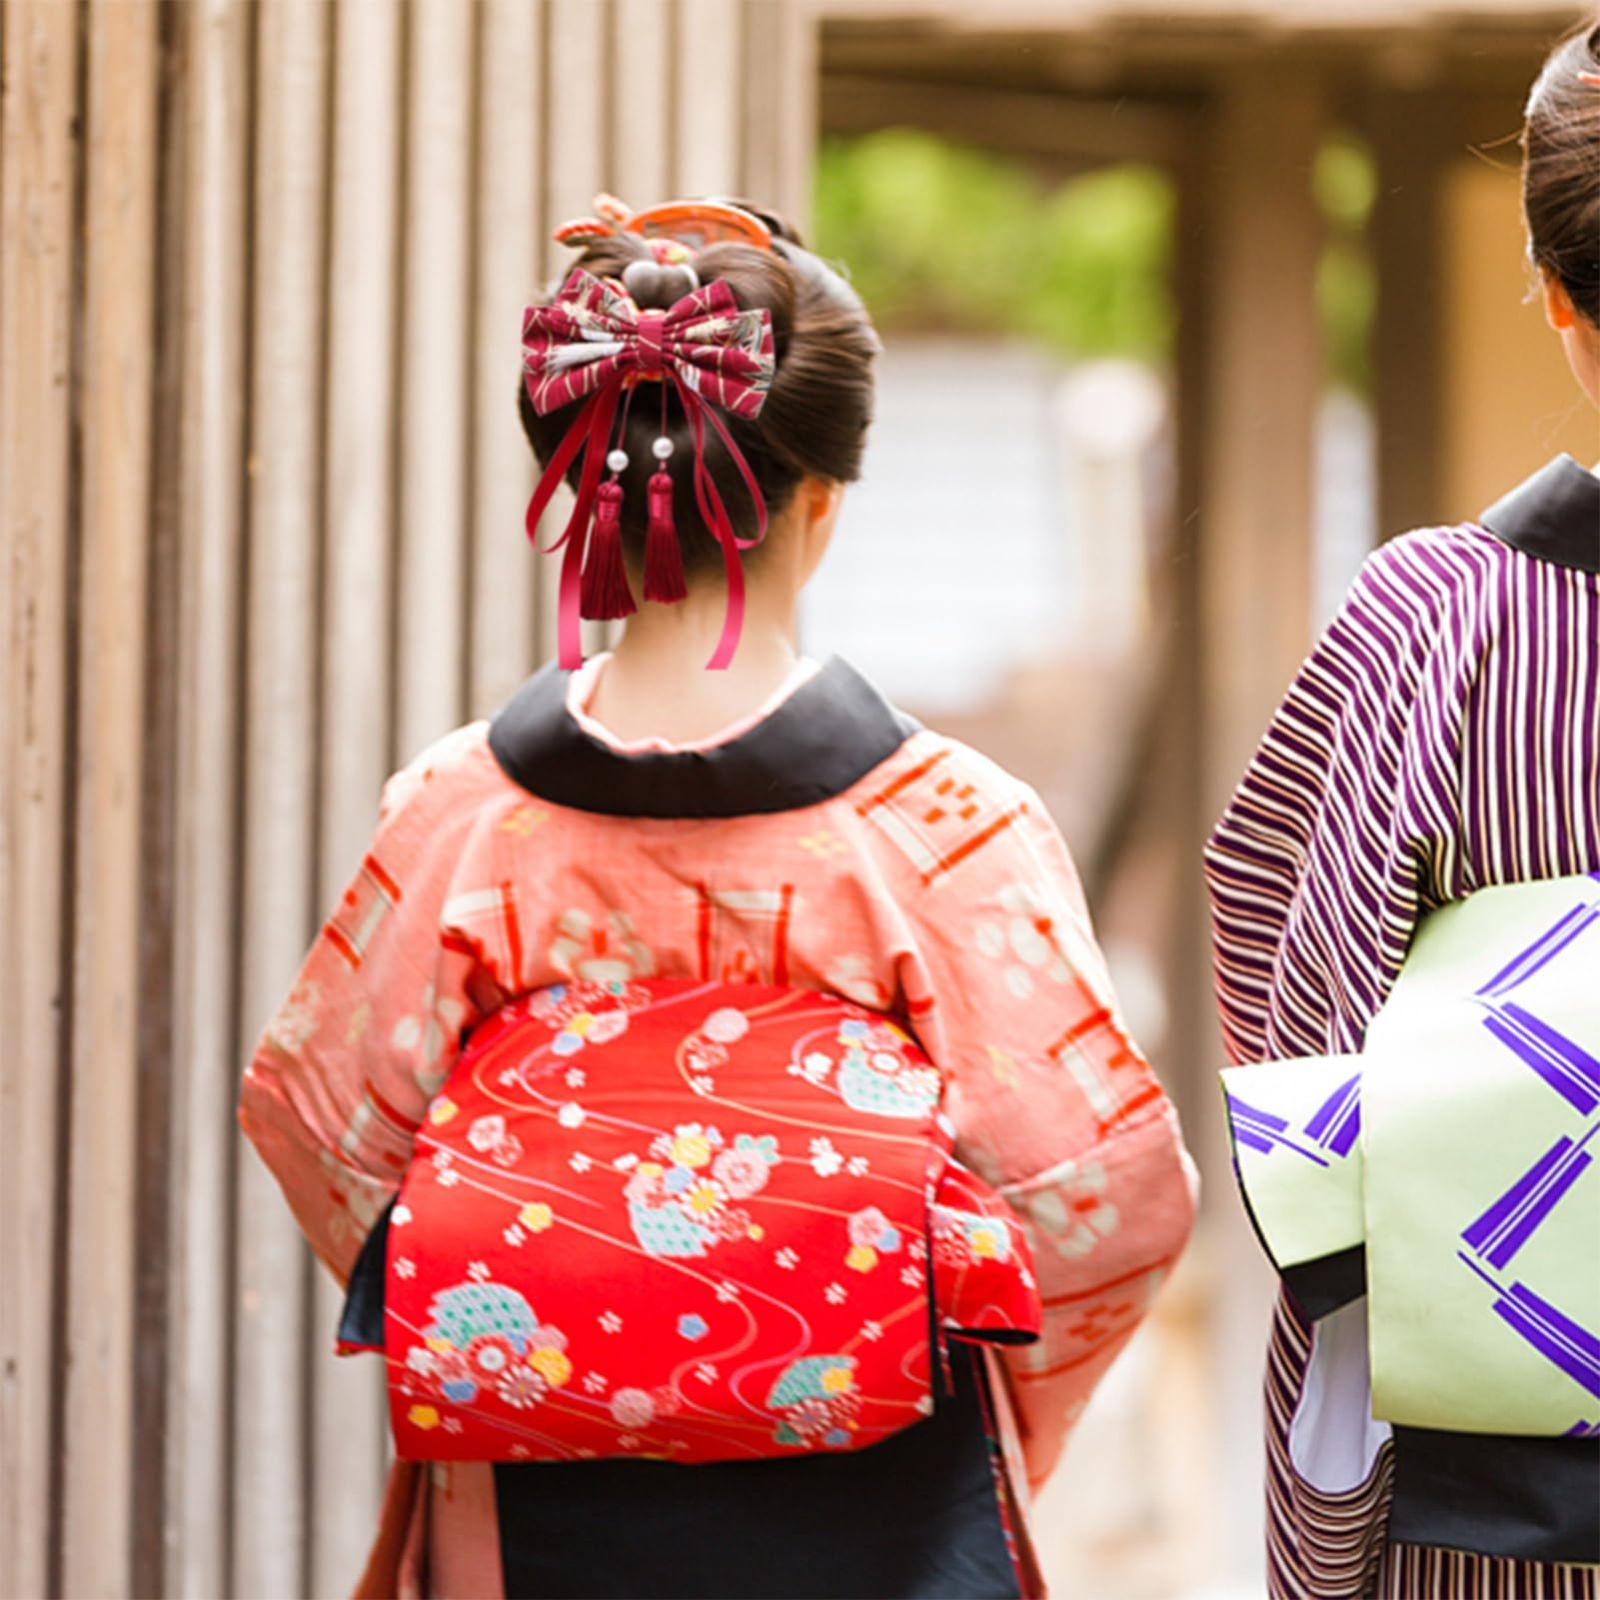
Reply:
x=592 y=343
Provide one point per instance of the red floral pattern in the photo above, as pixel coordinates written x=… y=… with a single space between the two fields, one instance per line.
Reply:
x=686 y=1220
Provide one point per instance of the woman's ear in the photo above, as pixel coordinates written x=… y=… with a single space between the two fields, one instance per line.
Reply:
x=1558 y=311
x=819 y=500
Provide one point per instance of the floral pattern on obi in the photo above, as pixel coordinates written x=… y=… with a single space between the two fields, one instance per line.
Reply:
x=731 y=1258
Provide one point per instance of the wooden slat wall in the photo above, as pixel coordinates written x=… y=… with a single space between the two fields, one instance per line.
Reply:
x=261 y=480
x=38 y=304
x=115 y=416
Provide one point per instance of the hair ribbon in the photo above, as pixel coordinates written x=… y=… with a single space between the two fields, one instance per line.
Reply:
x=591 y=344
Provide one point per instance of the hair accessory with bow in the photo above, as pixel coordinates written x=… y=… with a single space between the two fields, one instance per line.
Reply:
x=593 y=344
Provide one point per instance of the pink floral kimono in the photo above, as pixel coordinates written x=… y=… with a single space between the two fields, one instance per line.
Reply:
x=828 y=843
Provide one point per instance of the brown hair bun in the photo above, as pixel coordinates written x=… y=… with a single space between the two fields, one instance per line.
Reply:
x=814 y=422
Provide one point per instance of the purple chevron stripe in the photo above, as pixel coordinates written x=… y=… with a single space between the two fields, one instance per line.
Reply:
x=1337 y=1121
x=1542 y=951
x=1261 y=1130
x=1508 y=1224
x=1570 y=1071
x=1583 y=1430
x=1567 y=1343
x=1556 y=1337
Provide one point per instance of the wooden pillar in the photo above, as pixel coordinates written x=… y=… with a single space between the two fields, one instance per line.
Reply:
x=1411 y=135
x=38 y=234
x=358 y=585
x=98 y=1441
x=780 y=107
x=270 y=1378
x=206 y=1041
x=1255 y=412
x=509 y=221
x=430 y=664
x=1263 y=237
x=707 y=117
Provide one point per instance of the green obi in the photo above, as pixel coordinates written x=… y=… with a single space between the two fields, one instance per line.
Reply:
x=1457 y=1154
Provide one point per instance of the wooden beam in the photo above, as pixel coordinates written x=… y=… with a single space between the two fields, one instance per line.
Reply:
x=38 y=199
x=358 y=587
x=431 y=663
x=707 y=104
x=206 y=1043
x=642 y=105
x=1412 y=136
x=98 y=1442
x=501 y=640
x=1263 y=236
x=270 y=1380
x=1057 y=127
x=779 y=107
x=573 y=165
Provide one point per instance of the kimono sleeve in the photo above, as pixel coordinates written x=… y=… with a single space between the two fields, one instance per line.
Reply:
x=337 y=1087
x=1053 y=1105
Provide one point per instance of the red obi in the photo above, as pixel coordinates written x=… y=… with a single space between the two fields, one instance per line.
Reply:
x=688 y=1221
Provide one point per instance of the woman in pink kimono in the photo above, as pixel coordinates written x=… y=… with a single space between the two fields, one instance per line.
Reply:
x=700 y=380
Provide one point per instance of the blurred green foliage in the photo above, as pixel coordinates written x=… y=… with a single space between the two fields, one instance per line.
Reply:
x=942 y=237
x=1345 y=182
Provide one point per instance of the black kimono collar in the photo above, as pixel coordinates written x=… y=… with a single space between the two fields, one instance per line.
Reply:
x=1553 y=516
x=827 y=735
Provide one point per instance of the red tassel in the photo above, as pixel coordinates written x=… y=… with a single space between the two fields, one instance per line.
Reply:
x=606 y=595
x=663 y=560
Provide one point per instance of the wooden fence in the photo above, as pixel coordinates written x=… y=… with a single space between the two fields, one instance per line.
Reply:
x=261 y=486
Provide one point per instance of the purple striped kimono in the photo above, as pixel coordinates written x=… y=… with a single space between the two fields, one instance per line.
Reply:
x=1443 y=736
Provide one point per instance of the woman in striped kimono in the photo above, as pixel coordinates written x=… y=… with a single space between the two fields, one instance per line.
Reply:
x=1443 y=737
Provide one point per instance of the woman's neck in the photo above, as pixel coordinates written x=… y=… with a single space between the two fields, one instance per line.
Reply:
x=656 y=684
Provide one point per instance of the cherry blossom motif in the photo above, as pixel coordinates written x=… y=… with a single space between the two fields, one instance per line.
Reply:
x=610 y=1322
x=520 y=1388
x=633 y=1408
x=609 y=952
x=814 y=1067
x=296 y=1021
x=743 y=1170
x=703 y=1055
x=608 y=1025
x=1025 y=939
x=870 y=1228
x=486 y=1132
x=1073 y=1212
x=726 y=1026
x=787 y=1259
x=836 y=1294
x=571 y=1115
x=595 y=1382
x=423 y=1034
x=489 y=1136
x=825 y=1160
x=855 y=977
